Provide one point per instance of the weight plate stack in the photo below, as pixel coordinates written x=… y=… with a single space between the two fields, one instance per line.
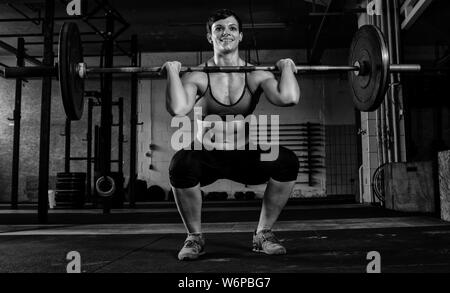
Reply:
x=70 y=189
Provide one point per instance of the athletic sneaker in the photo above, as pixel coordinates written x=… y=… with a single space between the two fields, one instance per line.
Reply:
x=192 y=248
x=266 y=242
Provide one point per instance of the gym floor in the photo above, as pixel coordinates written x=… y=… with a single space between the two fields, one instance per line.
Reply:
x=321 y=237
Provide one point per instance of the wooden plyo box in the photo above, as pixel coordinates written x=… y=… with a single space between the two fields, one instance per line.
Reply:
x=444 y=184
x=409 y=187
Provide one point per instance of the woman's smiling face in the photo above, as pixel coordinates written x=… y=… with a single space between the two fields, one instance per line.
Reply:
x=225 y=35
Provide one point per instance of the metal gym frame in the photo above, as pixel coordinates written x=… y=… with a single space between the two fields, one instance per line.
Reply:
x=110 y=43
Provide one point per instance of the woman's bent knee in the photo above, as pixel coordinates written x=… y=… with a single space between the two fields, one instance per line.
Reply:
x=184 y=169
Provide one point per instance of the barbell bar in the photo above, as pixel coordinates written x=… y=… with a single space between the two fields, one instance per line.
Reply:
x=368 y=69
x=83 y=70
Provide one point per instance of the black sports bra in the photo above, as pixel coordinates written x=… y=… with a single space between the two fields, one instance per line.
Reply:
x=245 y=105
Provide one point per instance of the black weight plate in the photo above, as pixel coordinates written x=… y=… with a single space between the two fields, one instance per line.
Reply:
x=369 y=48
x=70 y=54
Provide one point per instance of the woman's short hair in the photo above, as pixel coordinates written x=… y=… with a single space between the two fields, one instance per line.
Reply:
x=222 y=14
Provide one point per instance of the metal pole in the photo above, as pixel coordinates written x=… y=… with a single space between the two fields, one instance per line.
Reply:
x=309 y=150
x=386 y=120
x=17 y=118
x=380 y=115
x=397 y=68
x=67 y=146
x=120 y=140
x=397 y=32
x=381 y=120
x=29 y=71
x=133 y=124
x=392 y=96
x=106 y=105
x=96 y=161
x=398 y=60
x=89 y=150
x=106 y=109
x=44 y=148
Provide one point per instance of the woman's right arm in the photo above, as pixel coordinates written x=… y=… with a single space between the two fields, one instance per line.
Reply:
x=180 y=92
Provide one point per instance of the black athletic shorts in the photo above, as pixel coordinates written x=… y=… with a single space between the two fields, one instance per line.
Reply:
x=191 y=167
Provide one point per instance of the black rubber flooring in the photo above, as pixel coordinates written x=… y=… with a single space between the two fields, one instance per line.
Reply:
x=402 y=250
x=415 y=249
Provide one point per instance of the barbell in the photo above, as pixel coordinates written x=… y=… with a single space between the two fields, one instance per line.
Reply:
x=368 y=69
